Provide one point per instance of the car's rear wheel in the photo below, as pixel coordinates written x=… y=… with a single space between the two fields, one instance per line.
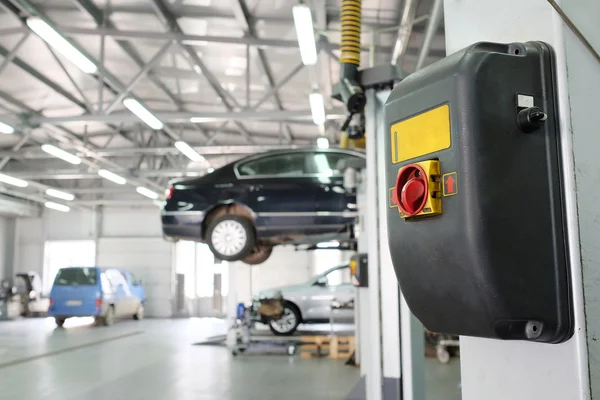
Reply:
x=139 y=314
x=109 y=318
x=60 y=322
x=231 y=237
x=259 y=254
x=289 y=321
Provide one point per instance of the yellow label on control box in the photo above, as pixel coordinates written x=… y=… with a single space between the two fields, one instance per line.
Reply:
x=422 y=134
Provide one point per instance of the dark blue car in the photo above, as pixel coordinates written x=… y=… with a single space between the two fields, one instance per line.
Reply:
x=245 y=208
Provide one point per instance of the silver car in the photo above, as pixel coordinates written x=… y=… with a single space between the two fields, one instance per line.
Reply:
x=310 y=302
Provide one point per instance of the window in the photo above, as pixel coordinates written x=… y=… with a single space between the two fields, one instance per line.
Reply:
x=76 y=277
x=66 y=253
x=331 y=163
x=198 y=264
x=289 y=164
x=340 y=276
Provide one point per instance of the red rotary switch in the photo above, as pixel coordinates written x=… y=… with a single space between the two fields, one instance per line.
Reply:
x=412 y=189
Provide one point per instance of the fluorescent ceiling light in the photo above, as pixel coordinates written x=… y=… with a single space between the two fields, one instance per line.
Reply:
x=6 y=129
x=233 y=71
x=188 y=151
x=197 y=69
x=200 y=120
x=112 y=176
x=62 y=45
x=317 y=108
x=328 y=245
x=210 y=170
x=57 y=207
x=60 y=153
x=142 y=113
x=323 y=143
x=60 y=194
x=13 y=181
x=305 y=32
x=147 y=192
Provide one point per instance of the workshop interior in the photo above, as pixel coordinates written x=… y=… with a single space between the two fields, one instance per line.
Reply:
x=299 y=199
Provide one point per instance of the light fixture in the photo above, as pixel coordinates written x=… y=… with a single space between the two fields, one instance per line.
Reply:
x=57 y=206
x=317 y=108
x=60 y=153
x=142 y=113
x=188 y=151
x=6 y=129
x=112 y=176
x=210 y=170
x=323 y=143
x=147 y=192
x=231 y=71
x=60 y=194
x=328 y=245
x=305 y=32
x=200 y=120
x=62 y=45
x=13 y=181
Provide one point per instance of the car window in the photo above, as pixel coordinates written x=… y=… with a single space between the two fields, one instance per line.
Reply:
x=329 y=163
x=76 y=277
x=339 y=276
x=289 y=164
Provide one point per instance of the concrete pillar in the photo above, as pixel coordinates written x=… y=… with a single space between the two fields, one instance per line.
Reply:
x=499 y=370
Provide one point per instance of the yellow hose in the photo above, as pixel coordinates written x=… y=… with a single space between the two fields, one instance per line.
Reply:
x=351 y=21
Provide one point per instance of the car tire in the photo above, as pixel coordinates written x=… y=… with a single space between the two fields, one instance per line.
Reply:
x=139 y=314
x=288 y=323
x=231 y=237
x=60 y=322
x=109 y=318
x=259 y=254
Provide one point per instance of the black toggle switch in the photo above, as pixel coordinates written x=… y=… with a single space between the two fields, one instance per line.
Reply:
x=531 y=119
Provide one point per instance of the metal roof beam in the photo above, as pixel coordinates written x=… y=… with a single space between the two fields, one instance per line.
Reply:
x=184 y=117
x=201 y=40
x=240 y=10
x=98 y=15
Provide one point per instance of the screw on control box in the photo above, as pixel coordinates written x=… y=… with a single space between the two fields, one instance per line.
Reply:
x=494 y=263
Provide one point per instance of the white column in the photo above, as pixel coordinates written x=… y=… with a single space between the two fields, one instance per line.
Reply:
x=232 y=300
x=500 y=370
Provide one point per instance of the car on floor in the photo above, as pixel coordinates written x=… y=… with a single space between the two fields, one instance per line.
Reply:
x=245 y=208
x=310 y=302
x=103 y=293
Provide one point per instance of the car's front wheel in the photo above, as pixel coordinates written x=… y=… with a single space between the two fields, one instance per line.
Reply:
x=231 y=237
x=288 y=323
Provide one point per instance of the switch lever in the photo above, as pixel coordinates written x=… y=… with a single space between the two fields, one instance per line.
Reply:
x=531 y=119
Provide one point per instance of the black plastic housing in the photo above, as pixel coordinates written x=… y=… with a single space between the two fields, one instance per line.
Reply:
x=495 y=263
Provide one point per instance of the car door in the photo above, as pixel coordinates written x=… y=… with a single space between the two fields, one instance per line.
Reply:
x=123 y=299
x=331 y=285
x=281 y=192
x=336 y=206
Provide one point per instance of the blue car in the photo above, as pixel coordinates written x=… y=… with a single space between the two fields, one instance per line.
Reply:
x=102 y=293
x=245 y=208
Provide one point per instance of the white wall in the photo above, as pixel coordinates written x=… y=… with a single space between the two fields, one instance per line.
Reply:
x=128 y=238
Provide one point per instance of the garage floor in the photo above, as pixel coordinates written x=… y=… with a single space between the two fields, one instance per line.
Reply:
x=154 y=359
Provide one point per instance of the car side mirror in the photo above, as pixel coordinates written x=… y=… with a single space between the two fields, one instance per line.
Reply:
x=322 y=281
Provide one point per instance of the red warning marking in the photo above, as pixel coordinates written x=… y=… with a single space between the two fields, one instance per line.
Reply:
x=450 y=184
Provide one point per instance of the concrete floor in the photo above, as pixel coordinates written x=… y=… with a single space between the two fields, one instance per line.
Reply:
x=155 y=359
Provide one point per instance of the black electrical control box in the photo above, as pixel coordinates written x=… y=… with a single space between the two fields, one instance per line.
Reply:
x=359 y=269
x=476 y=213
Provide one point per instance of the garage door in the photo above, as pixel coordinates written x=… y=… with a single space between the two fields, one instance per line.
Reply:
x=148 y=259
